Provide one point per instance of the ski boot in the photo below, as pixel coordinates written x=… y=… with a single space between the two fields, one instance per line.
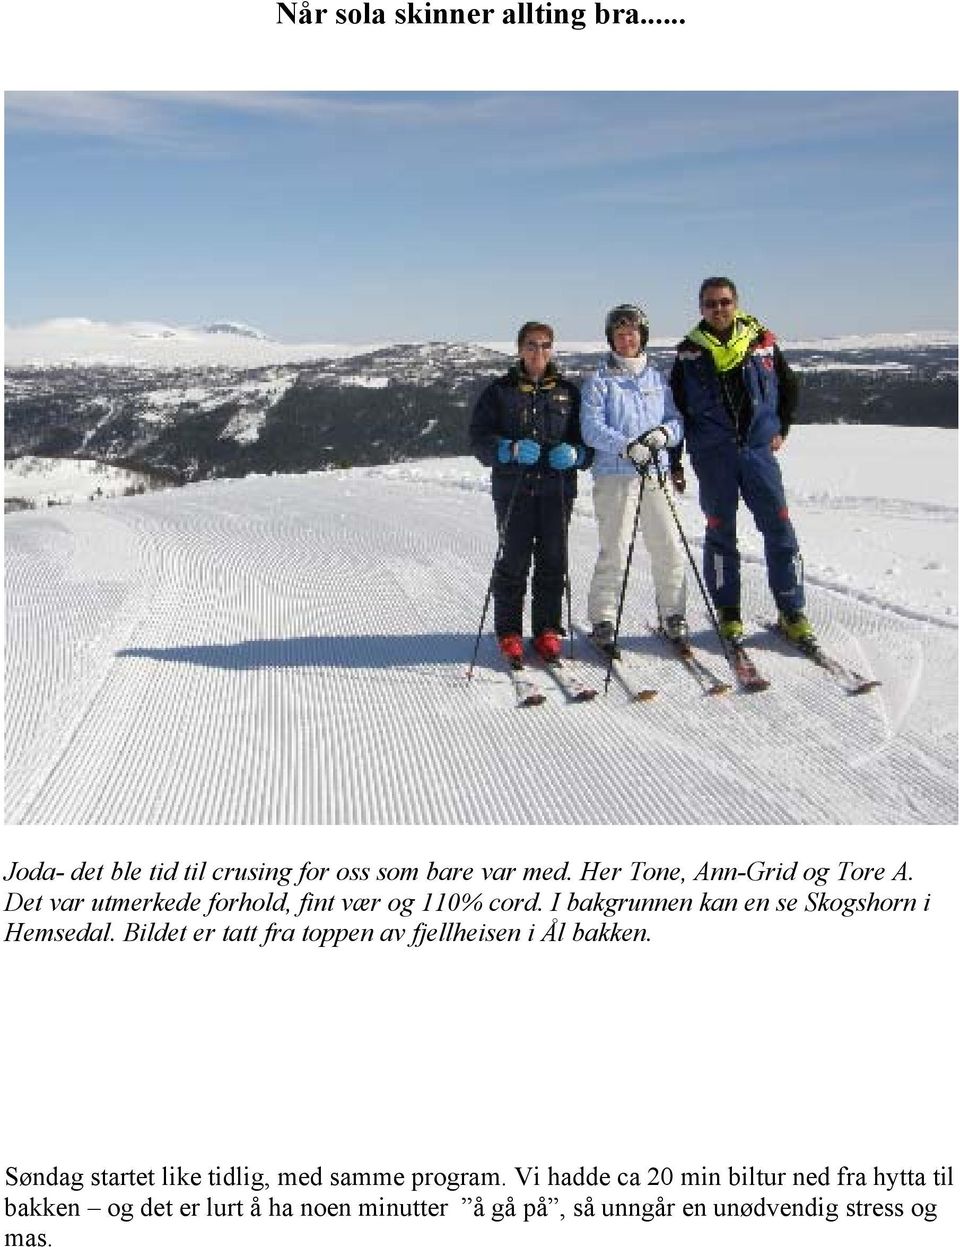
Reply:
x=797 y=628
x=511 y=647
x=548 y=644
x=731 y=625
x=602 y=637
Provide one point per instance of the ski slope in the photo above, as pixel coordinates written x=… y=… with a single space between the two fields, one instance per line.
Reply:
x=292 y=650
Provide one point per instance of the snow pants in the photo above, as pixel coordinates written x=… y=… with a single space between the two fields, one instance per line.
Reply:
x=726 y=474
x=535 y=529
x=615 y=505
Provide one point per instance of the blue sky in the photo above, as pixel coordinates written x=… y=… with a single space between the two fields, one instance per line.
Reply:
x=355 y=217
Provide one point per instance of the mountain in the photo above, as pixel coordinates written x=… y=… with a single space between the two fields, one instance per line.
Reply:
x=293 y=649
x=398 y=402
x=80 y=342
x=193 y=404
x=234 y=329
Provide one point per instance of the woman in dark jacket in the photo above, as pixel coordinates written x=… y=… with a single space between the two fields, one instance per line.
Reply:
x=526 y=427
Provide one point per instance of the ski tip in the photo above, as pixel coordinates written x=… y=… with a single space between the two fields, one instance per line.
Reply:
x=866 y=687
x=645 y=694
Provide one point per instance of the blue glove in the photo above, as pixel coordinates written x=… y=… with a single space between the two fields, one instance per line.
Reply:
x=505 y=450
x=528 y=452
x=564 y=456
x=655 y=439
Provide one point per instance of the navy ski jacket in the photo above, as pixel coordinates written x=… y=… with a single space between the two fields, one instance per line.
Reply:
x=747 y=406
x=516 y=407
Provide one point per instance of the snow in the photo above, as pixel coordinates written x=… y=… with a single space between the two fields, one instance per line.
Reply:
x=79 y=341
x=170 y=398
x=906 y=340
x=60 y=482
x=292 y=650
x=83 y=342
x=254 y=396
x=362 y=380
x=909 y=340
x=845 y=366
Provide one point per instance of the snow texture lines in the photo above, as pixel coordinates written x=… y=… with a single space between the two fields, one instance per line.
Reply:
x=293 y=650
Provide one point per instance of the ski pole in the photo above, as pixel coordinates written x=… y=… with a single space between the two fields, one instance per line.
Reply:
x=498 y=556
x=626 y=577
x=696 y=571
x=565 y=521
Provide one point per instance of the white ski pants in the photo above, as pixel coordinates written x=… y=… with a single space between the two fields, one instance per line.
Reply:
x=614 y=505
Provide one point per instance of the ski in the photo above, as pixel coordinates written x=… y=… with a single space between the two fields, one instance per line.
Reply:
x=527 y=690
x=629 y=675
x=745 y=669
x=575 y=688
x=708 y=682
x=852 y=682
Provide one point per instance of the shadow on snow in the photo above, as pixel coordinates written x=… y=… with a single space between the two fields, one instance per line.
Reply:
x=353 y=652
x=271 y=653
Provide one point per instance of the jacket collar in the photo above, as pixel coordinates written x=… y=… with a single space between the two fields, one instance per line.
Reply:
x=518 y=377
x=626 y=366
x=730 y=354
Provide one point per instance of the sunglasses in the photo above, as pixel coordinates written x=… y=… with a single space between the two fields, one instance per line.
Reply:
x=537 y=346
x=712 y=304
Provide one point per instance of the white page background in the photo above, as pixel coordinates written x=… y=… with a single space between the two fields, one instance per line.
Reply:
x=733 y=1040
x=790 y=1042
x=240 y=46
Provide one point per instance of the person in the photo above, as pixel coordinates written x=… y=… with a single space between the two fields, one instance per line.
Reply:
x=526 y=428
x=629 y=419
x=738 y=395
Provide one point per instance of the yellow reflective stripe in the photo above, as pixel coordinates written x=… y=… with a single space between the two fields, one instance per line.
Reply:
x=727 y=355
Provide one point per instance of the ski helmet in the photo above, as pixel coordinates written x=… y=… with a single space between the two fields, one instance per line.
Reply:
x=627 y=314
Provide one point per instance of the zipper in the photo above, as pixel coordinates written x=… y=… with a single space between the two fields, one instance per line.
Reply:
x=531 y=422
x=734 y=417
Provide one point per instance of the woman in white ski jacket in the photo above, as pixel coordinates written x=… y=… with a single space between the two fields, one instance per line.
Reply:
x=628 y=416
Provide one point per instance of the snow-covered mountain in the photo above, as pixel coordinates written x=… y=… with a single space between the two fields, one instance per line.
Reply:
x=80 y=342
x=397 y=402
x=293 y=649
x=346 y=406
x=235 y=329
x=905 y=341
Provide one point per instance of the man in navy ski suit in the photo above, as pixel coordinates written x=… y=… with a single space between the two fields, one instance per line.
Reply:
x=738 y=395
x=526 y=427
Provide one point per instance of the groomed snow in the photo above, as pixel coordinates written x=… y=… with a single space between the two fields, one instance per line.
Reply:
x=292 y=649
